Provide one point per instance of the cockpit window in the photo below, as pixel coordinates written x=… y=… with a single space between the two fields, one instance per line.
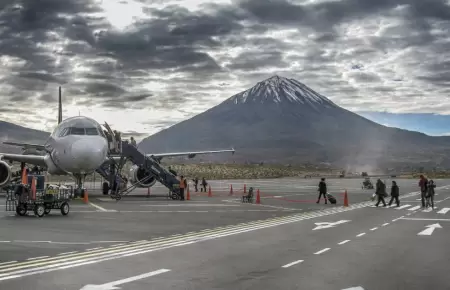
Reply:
x=77 y=131
x=91 y=131
x=64 y=132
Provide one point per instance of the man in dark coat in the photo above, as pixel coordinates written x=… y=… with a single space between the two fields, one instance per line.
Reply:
x=322 y=190
x=395 y=193
x=380 y=191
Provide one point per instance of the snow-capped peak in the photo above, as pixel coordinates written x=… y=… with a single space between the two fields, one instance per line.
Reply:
x=279 y=89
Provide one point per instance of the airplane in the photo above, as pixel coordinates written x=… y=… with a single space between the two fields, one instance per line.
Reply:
x=77 y=147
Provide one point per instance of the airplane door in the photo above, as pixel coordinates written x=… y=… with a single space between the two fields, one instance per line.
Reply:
x=108 y=128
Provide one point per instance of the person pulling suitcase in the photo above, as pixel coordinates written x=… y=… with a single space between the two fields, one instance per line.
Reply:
x=322 y=190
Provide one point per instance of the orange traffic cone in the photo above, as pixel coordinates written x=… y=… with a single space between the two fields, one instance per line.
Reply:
x=345 y=198
x=258 y=198
x=33 y=188
x=245 y=188
x=231 y=189
x=85 y=197
x=188 y=195
x=24 y=176
x=209 y=191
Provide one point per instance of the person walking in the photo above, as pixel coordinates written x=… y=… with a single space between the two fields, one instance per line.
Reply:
x=430 y=194
x=380 y=191
x=183 y=185
x=322 y=190
x=423 y=184
x=395 y=193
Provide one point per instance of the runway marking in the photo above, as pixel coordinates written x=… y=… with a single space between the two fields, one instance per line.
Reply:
x=403 y=206
x=373 y=228
x=67 y=253
x=321 y=251
x=191 y=204
x=94 y=249
x=292 y=264
x=27 y=268
x=10 y=262
x=98 y=207
x=424 y=219
x=385 y=224
x=343 y=242
x=414 y=208
x=361 y=234
x=36 y=258
x=444 y=210
x=5 y=241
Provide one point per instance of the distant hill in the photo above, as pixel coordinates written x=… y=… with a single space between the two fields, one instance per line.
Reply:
x=15 y=133
x=283 y=120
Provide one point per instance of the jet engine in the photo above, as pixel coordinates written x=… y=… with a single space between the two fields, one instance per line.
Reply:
x=5 y=173
x=140 y=178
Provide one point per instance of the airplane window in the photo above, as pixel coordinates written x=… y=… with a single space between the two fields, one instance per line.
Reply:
x=91 y=131
x=77 y=131
x=64 y=132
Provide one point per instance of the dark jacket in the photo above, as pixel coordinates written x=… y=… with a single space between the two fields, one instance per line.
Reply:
x=395 y=191
x=430 y=190
x=322 y=187
x=380 y=188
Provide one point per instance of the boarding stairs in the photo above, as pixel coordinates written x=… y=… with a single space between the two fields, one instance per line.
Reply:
x=152 y=166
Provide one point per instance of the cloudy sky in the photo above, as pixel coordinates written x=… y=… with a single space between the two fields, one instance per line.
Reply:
x=143 y=65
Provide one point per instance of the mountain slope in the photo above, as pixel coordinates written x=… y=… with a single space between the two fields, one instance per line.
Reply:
x=14 y=133
x=282 y=120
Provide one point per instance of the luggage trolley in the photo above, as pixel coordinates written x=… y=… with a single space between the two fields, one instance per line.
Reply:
x=22 y=200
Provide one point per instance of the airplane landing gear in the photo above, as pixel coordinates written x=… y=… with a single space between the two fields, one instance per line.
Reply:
x=79 y=181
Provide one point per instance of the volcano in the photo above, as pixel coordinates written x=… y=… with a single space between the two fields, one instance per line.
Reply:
x=281 y=120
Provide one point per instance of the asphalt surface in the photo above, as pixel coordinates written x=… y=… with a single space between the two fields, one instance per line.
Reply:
x=286 y=242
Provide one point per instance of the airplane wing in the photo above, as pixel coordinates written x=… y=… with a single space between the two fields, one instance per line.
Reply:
x=189 y=154
x=175 y=154
x=30 y=159
x=25 y=145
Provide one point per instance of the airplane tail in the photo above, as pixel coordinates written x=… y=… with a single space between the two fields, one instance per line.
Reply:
x=59 y=107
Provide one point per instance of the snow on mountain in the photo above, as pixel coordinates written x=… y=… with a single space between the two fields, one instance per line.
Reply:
x=279 y=89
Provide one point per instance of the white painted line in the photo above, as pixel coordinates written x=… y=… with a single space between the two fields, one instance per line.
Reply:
x=361 y=234
x=403 y=206
x=93 y=242
x=414 y=208
x=191 y=204
x=444 y=210
x=385 y=224
x=343 y=242
x=354 y=288
x=5 y=241
x=67 y=253
x=321 y=251
x=6 y=263
x=98 y=207
x=35 y=258
x=373 y=228
x=92 y=249
x=292 y=264
x=420 y=219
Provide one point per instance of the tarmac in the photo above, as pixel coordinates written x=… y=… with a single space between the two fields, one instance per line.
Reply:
x=288 y=241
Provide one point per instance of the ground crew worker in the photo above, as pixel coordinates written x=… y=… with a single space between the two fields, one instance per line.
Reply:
x=195 y=180
x=380 y=191
x=395 y=193
x=204 y=184
x=183 y=185
x=423 y=184
x=322 y=190
x=430 y=194
x=133 y=142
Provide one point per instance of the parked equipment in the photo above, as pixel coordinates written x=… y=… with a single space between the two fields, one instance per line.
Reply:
x=367 y=184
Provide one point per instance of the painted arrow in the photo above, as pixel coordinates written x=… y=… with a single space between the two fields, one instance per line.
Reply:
x=327 y=225
x=112 y=285
x=429 y=230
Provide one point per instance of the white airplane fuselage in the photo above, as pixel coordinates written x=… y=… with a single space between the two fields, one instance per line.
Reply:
x=75 y=154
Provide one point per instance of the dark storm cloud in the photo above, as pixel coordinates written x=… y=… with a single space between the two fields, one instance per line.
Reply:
x=260 y=60
x=104 y=90
x=46 y=77
x=364 y=77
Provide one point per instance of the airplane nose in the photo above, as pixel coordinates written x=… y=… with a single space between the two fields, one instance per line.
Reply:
x=88 y=154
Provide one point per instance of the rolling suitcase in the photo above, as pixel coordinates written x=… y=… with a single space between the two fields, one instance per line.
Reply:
x=331 y=198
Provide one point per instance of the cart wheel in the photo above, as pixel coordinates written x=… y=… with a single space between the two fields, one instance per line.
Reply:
x=47 y=210
x=65 y=208
x=118 y=197
x=39 y=210
x=174 y=196
x=21 y=210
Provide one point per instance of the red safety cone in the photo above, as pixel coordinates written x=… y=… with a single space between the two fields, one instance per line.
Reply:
x=188 y=196
x=258 y=198
x=209 y=192
x=345 y=198
x=231 y=189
